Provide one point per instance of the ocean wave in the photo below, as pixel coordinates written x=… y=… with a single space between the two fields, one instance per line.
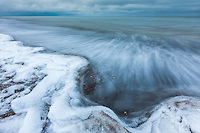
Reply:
x=126 y=69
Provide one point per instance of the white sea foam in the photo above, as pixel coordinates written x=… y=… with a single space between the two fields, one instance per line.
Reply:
x=53 y=103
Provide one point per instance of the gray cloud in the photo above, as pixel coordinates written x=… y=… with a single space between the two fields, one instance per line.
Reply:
x=101 y=7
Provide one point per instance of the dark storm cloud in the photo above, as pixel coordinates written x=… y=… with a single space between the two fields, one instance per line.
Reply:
x=101 y=7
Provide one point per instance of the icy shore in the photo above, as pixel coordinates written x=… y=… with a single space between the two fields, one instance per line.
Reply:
x=39 y=93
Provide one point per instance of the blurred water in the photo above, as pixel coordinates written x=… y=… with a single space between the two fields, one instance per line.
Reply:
x=136 y=61
x=157 y=26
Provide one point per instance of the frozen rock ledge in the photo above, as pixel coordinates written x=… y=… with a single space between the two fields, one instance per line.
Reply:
x=39 y=93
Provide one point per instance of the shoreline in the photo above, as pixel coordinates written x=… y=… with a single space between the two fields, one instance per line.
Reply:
x=44 y=97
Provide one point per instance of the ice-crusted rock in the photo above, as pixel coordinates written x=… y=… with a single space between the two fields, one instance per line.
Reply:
x=39 y=93
x=180 y=114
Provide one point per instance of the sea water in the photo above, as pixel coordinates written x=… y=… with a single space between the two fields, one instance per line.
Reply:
x=135 y=62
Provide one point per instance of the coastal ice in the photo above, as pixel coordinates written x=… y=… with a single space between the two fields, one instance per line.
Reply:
x=40 y=93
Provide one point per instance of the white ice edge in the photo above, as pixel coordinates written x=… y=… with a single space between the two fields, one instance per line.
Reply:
x=59 y=90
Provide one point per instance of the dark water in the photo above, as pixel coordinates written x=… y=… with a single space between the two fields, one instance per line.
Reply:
x=135 y=61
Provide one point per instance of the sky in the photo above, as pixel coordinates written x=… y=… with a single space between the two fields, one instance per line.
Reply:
x=100 y=7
